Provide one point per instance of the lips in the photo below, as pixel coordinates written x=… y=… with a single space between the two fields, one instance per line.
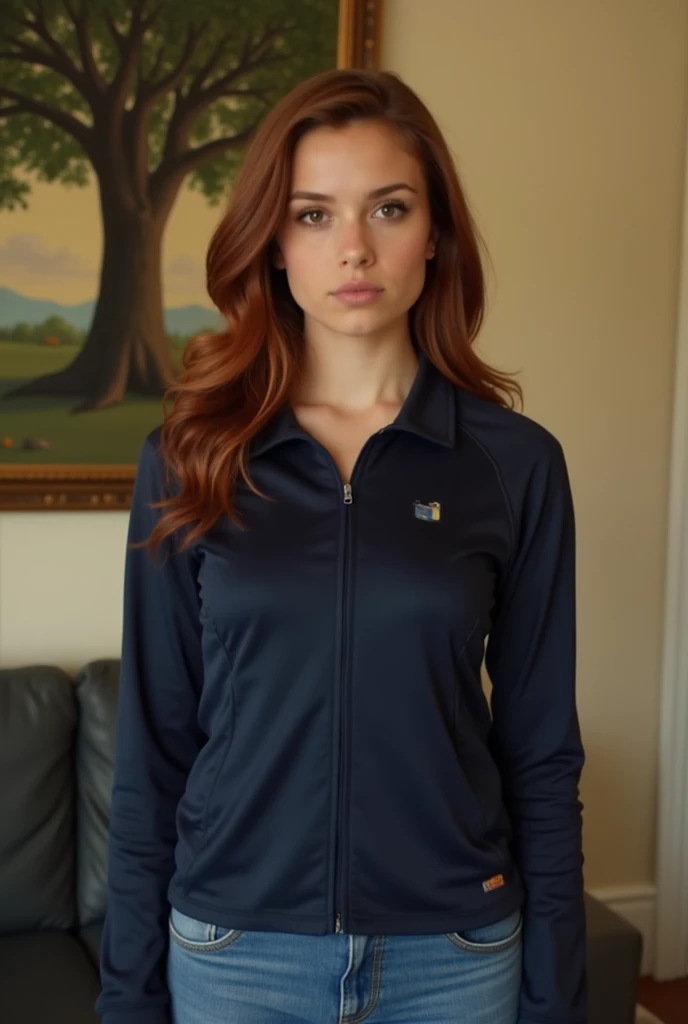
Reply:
x=358 y=296
x=358 y=286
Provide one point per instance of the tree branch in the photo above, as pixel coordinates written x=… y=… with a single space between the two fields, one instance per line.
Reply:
x=131 y=126
x=63 y=63
x=91 y=69
x=194 y=158
x=220 y=87
x=28 y=54
x=214 y=57
x=138 y=117
x=155 y=91
x=258 y=94
x=68 y=123
x=143 y=23
x=167 y=179
x=130 y=48
x=120 y=40
x=253 y=57
x=250 y=59
x=269 y=35
x=191 y=106
x=156 y=64
x=147 y=22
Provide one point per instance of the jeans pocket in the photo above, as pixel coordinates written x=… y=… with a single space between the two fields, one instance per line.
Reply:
x=199 y=936
x=489 y=938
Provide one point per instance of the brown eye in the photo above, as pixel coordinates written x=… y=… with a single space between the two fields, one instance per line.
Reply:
x=310 y=213
x=397 y=206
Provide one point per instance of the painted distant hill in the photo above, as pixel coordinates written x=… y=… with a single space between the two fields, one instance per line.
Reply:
x=16 y=308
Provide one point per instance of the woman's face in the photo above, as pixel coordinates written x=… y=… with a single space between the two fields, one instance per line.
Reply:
x=367 y=220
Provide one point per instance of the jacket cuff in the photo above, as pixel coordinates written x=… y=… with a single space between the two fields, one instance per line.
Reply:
x=155 y=1015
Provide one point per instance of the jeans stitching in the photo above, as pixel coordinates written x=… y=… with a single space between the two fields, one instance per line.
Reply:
x=215 y=946
x=484 y=947
x=376 y=980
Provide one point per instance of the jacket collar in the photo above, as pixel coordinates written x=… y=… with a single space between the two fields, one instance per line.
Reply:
x=428 y=411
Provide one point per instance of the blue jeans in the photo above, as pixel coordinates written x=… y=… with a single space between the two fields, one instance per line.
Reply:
x=222 y=976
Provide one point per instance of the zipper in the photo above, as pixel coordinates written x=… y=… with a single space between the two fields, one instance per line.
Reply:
x=347 y=489
x=341 y=767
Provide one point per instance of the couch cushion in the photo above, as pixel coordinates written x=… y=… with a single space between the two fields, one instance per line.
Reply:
x=614 y=953
x=92 y=936
x=37 y=857
x=97 y=687
x=46 y=978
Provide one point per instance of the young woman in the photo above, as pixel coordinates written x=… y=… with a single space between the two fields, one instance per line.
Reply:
x=317 y=816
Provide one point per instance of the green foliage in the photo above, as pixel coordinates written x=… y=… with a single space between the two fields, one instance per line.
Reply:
x=51 y=327
x=56 y=327
x=72 y=71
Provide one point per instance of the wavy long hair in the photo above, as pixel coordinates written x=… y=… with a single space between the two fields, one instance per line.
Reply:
x=233 y=381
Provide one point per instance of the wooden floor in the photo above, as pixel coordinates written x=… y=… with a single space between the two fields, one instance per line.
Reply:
x=668 y=1000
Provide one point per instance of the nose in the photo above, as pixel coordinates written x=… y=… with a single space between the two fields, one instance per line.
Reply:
x=355 y=250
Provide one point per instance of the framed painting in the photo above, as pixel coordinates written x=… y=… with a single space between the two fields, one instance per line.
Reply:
x=121 y=126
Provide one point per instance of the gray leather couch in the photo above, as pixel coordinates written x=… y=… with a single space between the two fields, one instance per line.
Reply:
x=56 y=747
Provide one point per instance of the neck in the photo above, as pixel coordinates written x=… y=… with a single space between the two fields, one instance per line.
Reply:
x=355 y=375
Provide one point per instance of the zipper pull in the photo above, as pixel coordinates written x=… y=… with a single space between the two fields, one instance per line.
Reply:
x=348 y=496
x=338 y=924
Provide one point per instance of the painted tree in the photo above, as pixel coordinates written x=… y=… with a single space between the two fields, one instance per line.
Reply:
x=144 y=95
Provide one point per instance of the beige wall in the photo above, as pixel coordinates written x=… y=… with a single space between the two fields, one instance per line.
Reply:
x=567 y=122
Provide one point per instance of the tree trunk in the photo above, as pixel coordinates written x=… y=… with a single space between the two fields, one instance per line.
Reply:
x=126 y=349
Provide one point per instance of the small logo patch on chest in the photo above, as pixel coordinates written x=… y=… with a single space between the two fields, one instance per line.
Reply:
x=431 y=511
x=493 y=883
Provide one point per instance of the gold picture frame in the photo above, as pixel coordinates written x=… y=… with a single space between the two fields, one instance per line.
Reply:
x=102 y=486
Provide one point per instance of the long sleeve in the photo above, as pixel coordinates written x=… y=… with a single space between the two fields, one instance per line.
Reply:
x=535 y=739
x=158 y=739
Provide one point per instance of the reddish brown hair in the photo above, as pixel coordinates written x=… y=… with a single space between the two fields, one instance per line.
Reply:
x=234 y=381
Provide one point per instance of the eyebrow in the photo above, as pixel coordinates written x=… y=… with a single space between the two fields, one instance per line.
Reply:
x=375 y=194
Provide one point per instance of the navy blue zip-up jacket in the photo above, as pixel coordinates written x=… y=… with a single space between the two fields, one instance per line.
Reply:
x=304 y=743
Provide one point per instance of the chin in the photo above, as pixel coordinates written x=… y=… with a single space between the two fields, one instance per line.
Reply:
x=361 y=327
x=355 y=323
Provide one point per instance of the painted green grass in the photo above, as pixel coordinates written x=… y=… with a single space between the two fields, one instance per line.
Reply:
x=105 y=435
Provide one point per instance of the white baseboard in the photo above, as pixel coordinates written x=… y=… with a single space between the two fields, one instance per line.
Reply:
x=637 y=905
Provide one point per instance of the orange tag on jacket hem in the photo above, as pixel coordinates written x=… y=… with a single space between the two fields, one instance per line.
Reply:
x=493 y=883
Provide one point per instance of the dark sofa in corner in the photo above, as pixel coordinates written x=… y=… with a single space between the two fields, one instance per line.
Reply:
x=56 y=747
